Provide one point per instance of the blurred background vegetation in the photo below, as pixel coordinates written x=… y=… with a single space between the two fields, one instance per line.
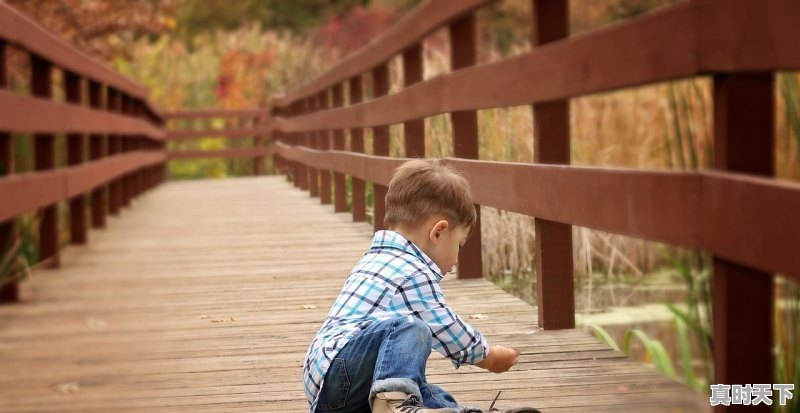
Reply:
x=223 y=54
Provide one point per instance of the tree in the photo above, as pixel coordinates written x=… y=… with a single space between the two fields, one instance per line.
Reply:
x=101 y=28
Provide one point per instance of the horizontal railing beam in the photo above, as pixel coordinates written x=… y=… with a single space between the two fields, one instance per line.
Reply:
x=677 y=42
x=26 y=114
x=223 y=153
x=671 y=207
x=27 y=192
x=217 y=133
x=216 y=113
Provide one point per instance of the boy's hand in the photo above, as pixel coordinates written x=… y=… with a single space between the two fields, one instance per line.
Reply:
x=500 y=359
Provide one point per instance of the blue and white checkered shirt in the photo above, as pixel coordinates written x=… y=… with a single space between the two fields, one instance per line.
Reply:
x=393 y=279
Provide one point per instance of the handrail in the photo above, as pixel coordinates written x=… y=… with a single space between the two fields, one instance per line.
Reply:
x=668 y=44
x=652 y=205
x=178 y=135
x=248 y=123
x=25 y=114
x=31 y=191
x=217 y=113
x=120 y=128
x=738 y=213
x=420 y=22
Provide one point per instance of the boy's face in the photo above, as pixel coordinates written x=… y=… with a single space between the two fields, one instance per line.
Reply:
x=447 y=241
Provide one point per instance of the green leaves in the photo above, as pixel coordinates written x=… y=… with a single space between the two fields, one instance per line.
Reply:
x=606 y=338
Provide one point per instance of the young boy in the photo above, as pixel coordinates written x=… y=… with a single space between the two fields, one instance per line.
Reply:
x=372 y=349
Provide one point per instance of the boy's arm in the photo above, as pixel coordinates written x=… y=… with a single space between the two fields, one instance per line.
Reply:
x=452 y=336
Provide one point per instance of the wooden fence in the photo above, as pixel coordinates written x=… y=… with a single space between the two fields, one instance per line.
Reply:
x=240 y=124
x=114 y=139
x=737 y=212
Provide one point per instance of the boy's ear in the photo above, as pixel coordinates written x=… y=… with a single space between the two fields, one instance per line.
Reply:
x=437 y=230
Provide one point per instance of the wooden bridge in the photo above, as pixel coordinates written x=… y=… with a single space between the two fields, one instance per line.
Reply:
x=203 y=295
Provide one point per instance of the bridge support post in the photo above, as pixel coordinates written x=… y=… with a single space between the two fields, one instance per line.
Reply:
x=114 y=148
x=357 y=145
x=313 y=105
x=413 y=130
x=258 y=161
x=127 y=147
x=380 y=143
x=45 y=144
x=97 y=150
x=9 y=291
x=75 y=149
x=744 y=141
x=465 y=137
x=139 y=145
x=276 y=137
x=555 y=287
x=339 y=193
x=324 y=144
x=297 y=138
x=301 y=139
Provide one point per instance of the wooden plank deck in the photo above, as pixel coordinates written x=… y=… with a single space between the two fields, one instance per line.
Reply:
x=193 y=300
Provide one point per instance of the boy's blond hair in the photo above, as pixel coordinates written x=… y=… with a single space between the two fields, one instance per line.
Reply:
x=424 y=188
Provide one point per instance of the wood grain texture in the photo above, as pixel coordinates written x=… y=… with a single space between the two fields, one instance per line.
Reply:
x=192 y=301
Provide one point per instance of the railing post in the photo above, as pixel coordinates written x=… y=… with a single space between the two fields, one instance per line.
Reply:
x=276 y=137
x=340 y=197
x=258 y=161
x=465 y=137
x=413 y=130
x=380 y=144
x=554 y=266
x=293 y=138
x=301 y=138
x=75 y=150
x=139 y=146
x=163 y=146
x=10 y=291
x=127 y=147
x=744 y=141
x=324 y=144
x=312 y=105
x=97 y=149
x=42 y=87
x=357 y=145
x=114 y=148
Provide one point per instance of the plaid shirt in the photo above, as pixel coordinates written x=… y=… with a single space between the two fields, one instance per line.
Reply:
x=393 y=279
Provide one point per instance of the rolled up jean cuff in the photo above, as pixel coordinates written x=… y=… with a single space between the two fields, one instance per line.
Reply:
x=406 y=386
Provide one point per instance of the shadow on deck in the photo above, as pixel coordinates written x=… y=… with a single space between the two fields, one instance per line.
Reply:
x=201 y=299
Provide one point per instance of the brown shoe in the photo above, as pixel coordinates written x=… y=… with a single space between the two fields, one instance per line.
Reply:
x=399 y=402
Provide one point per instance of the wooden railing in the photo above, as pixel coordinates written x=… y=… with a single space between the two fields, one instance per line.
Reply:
x=738 y=213
x=101 y=108
x=240 y=124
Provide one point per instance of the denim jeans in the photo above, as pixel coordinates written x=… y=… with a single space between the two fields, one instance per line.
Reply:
x=387 y=356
